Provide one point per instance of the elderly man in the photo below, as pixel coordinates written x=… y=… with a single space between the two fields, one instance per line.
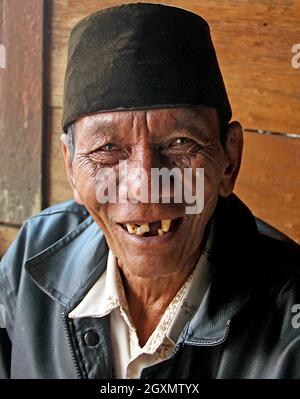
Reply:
x=145 y=289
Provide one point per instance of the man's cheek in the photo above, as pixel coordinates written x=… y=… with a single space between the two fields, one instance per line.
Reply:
x=195 y=224
x=87 y=192
x=210 y=188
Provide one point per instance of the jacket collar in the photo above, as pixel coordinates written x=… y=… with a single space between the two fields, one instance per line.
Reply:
x=68 y=269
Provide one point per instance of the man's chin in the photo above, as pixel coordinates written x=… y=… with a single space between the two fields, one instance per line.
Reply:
x=150 y=265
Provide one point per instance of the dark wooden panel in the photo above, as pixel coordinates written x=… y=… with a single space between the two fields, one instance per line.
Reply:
x=21 y=110
x=253 y=39
x=7 y=235
x=269 y=181
x=2 y=48
x=1 y=19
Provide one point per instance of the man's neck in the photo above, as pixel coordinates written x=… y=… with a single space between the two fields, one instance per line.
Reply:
x=149 y=297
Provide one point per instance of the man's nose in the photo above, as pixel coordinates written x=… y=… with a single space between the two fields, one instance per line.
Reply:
x=144 y=159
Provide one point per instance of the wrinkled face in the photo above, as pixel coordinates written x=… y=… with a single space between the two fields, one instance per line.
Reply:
x=153 y=239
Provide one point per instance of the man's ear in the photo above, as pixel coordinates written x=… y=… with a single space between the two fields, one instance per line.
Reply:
x=233 y=156
x=69 y=167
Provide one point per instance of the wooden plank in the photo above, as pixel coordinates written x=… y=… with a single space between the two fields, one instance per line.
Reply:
x=7 y=235
x=21 y=105
x=253 y=39
x=59 y=188
x=2 y=47
x=269 y=181
x=1 y=20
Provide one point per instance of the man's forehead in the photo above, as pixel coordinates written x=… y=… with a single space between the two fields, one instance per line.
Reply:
x=160 y=124
x=173 y=117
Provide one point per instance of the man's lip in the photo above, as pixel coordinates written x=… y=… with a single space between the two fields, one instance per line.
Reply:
x=144 y=221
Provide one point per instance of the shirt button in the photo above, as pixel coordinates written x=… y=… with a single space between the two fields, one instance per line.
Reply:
x=91 y=338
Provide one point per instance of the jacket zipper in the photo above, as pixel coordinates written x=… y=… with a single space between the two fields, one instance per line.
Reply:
x=71 y=347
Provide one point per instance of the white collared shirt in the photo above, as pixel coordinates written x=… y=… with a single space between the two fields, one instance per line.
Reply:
x=107 y=297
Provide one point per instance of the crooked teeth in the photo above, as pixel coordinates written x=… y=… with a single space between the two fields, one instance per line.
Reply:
x=132 y=228
x=145 y=228
x=160 y=232
x=165 y=225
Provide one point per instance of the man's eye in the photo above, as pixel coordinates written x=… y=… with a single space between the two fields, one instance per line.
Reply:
x=181 y=141
x=110 y=147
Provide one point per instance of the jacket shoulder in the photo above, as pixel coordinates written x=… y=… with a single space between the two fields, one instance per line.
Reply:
x=280 y=254
x=45 y=228
x=38 y=233
x=279 y=272
x=65 y=207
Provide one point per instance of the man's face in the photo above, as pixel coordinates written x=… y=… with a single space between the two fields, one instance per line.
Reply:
x=171 y=138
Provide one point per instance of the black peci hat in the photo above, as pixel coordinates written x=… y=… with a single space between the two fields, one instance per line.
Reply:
x=141 y=56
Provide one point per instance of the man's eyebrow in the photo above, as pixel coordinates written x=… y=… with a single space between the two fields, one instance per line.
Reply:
x=199 y=131
x=97 y=133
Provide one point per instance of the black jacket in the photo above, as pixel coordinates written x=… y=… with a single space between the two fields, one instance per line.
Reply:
x=246 y=327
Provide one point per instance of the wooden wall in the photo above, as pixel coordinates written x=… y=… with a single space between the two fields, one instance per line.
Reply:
x=254 y=40
x=21 y=114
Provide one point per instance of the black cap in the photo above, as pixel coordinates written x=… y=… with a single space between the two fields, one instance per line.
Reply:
x=141 y=56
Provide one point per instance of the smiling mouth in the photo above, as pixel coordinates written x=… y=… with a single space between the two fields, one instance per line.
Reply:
x=158 y=228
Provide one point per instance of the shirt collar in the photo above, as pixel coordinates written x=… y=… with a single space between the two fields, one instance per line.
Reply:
x=181 y=309
x=108 y=294
x=105 y=295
